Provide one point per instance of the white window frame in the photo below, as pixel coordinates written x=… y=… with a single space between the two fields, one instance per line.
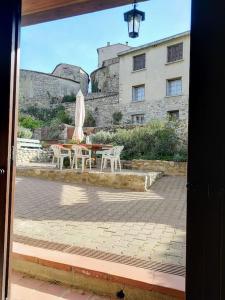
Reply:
x=172 y=91
x=137 y=116
x=136 y=97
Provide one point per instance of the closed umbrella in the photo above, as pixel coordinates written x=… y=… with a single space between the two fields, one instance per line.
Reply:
x=78 y=134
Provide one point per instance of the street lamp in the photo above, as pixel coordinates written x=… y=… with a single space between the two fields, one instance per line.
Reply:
x=133 y=18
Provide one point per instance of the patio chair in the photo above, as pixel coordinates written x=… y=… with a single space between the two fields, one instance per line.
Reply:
x=59 y=153
x=113 y=155
x=83 y=153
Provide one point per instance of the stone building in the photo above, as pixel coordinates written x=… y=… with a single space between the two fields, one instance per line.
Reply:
x=110 y=51
x=106 y=78
x=154 y=80
x=149 y=82
x=143 y=83
x=74 y=73
x=48 y=89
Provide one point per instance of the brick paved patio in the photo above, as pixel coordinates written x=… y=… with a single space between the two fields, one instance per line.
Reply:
x=144 y=225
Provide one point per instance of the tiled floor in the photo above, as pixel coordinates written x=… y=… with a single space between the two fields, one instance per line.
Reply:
x=147 y=225
x=26 y=288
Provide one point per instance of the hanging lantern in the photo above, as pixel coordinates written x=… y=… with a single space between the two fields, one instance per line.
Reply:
x=133 y=18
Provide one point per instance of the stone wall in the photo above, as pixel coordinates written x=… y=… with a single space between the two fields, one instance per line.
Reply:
x=43 y=89
x=32 y=155
x=60 y=133
x=110 y=51
x=106 y=78
x=167 y=167
x=135 y=181
x=156 y=109
x=74 y=73
x=102 y=106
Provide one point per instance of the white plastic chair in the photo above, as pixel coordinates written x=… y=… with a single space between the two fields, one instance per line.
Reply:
x=59 y=153
x=83 y=153
x=113 y=155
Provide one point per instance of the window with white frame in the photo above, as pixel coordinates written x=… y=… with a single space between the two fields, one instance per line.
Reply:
x=175 y=52
x=138 y=62
x=138 y=93
x=138 y=119
x=174 y=87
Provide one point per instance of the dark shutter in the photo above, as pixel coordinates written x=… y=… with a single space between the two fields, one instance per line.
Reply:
x=139 y=62
x=175 y=52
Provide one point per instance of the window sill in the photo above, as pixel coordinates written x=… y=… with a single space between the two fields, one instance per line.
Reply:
x=173 y=62
x=174 y=96
x=132 y=101
x=138 y=70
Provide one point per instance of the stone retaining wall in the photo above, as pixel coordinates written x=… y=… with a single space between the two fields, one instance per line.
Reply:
x=32 y=155
x=167 y=167
x=101 y=105
x=139 y=182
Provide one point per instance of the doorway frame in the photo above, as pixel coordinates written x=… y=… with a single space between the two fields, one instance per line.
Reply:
x=10 y=16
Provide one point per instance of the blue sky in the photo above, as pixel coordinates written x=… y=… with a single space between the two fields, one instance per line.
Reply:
x=75 y=40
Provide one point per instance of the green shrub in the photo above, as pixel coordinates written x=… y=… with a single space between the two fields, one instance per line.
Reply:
x=182 y=154
x=117 y=117
x=41 y=113
x=64 y=117
x=29 y=122
x=69 y=98
x=46 y=115
x=54 y=129
x=24 y=133
x=89 y=120
x=157 y=140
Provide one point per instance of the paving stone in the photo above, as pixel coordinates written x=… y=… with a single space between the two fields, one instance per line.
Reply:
x=116 y=221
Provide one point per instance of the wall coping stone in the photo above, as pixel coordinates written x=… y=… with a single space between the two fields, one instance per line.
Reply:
x=70 y=269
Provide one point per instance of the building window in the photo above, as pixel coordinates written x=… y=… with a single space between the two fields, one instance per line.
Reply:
x=138 y=93
x=173 y=115
x=174 y=87
x=138 y=62
x=175 y=52
x=138 y=119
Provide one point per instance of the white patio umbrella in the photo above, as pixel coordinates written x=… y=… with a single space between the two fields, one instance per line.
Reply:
x=78 y=134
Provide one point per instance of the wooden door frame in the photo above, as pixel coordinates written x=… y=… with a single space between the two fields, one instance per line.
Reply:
x=10 y=15
x=206 y=164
